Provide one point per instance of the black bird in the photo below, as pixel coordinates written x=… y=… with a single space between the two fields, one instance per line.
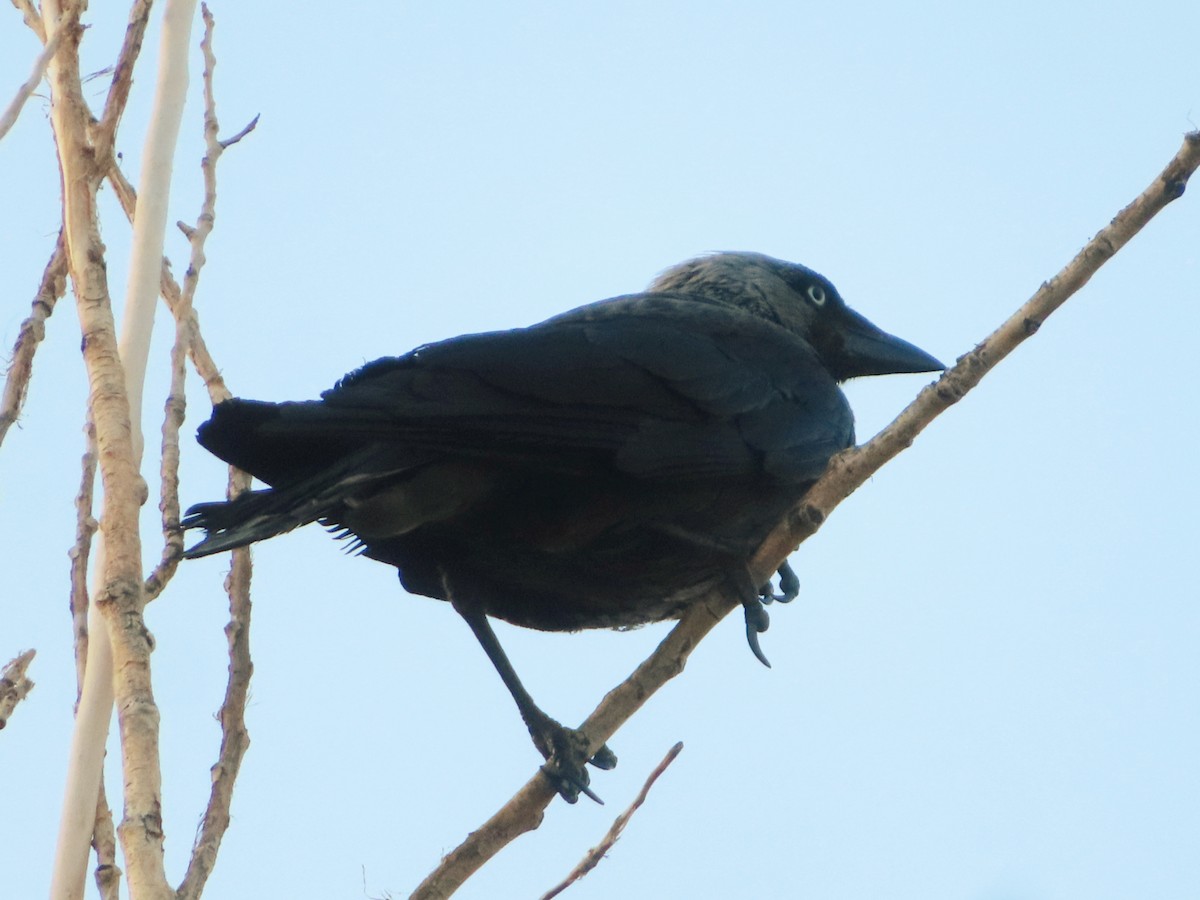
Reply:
x=601 y=469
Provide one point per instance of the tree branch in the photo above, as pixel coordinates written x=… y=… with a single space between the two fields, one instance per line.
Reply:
x=14 y=686
x=105 y=131
x=85 y=529
x=33 y=331
x=234 y=737
x=141 y=829
x=31 y=17
x=104 y=842
x=846 y=472
x=9 y=117
x=118 y=561
x=592 y=858
x=185 y=327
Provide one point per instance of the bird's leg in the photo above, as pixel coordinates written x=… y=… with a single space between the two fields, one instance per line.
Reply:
x=565 y=749
x=757 y=620
x=789 y=586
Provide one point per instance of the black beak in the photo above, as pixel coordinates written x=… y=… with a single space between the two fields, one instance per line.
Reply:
x=868 y=350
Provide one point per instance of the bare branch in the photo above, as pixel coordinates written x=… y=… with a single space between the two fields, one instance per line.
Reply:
x=119 y=570
x=168 y=502
x=853 y=467
x=80 y=553
x=104 y=133
x=31 y=17
x=234 y=737
x=9 y=117
x=104 y=842
x=520 y=814
x=592 y=858
x=185 y=327
x=846 y=472
x=249 y=127
x=33 y=331
x=14 y=686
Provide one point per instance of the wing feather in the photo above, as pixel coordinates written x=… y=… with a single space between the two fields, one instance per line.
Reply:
x=647 y=386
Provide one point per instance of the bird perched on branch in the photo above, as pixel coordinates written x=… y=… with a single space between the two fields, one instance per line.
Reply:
x=601 y=469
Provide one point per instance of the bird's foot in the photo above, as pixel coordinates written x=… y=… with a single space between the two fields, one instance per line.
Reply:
x=565 y=750
x=789 y=586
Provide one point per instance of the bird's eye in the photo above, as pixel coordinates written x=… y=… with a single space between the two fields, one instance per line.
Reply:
x=816 y=294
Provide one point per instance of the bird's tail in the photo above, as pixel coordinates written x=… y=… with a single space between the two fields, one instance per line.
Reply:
x=254 y=516
x=258 y=515
x=313 y=456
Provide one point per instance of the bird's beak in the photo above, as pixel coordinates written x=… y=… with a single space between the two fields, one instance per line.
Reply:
x=869 y=350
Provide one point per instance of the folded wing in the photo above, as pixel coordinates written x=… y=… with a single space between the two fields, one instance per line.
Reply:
x=647 y=387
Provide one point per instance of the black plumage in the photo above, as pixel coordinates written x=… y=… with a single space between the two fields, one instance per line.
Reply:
x=600 y=469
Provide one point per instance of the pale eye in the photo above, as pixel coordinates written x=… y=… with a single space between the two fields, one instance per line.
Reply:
x=816 y=294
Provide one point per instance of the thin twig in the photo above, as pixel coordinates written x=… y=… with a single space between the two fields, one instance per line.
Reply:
x=33 y=331
x=249 y=127
x=234 y=737
x=592 y=858
x=9 y=117
x=14 y=686
x=185 y=328
x=846 y=472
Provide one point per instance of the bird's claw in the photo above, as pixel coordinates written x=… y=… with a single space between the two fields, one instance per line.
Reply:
x=789 y=586
x=564 y=750
x=570 y=784
x=604 y=758
x=757 y=621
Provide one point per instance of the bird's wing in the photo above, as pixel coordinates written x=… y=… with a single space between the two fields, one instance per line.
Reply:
x=661 y=391
x=676 y=390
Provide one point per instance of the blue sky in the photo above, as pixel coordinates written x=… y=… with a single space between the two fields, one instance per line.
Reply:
x=988 y=686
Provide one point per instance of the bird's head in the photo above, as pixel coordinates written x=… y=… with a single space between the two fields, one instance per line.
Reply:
x=802 y=301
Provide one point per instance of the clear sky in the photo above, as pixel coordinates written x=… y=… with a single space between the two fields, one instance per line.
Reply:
x=988 y=686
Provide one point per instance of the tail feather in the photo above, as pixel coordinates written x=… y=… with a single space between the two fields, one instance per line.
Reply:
x=236 y=523
x=258 y=515
x=283 y=443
